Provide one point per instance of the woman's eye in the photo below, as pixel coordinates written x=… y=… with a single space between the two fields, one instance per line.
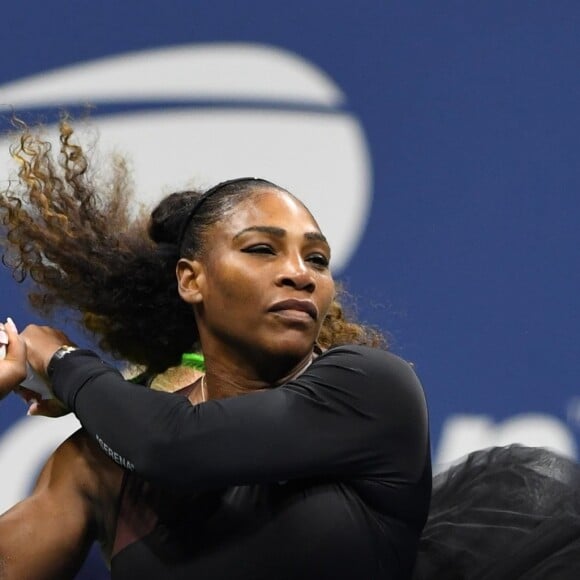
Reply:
x=319 y=260
x=259 y=249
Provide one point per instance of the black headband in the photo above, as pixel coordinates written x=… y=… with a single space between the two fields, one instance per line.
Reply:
x=202 y=200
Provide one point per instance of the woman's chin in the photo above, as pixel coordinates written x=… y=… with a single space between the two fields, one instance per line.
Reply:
x=293 y=344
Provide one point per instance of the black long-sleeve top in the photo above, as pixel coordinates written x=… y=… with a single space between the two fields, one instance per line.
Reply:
x=327 y=476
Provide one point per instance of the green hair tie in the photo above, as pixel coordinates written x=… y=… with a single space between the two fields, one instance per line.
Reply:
x=193 y=360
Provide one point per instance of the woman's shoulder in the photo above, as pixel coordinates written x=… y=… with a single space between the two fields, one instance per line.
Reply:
x=368 y=376
x=364 y=352
x=376 y=363
x=382 y=394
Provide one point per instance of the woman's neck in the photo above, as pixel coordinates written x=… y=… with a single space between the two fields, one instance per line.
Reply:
x=228 y=378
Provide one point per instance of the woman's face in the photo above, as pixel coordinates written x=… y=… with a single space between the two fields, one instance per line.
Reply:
x=264 y=285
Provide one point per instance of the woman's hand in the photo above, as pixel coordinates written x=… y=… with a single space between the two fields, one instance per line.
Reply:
x=13 y=363
x=44 y=407
x=38 y=344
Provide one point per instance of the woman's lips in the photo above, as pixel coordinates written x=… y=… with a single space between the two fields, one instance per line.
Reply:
x=292 y=308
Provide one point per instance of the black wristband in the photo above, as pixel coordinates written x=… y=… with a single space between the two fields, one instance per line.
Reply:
x=58 y=355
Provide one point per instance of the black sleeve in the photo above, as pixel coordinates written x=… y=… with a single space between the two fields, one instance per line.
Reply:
x=355 y=412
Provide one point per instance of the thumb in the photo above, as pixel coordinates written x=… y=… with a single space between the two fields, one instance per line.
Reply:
x=15 y=347
x=13 y=365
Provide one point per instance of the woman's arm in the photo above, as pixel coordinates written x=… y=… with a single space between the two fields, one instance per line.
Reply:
x=355 y=412
x=47 y=535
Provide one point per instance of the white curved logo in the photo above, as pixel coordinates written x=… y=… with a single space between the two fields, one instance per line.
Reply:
x=198 y=114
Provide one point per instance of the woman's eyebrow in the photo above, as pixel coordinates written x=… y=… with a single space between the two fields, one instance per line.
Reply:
x=280 y=233
x=274 y=231
x=316 y=236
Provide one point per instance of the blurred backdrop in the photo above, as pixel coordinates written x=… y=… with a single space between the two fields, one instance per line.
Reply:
x=437 y=143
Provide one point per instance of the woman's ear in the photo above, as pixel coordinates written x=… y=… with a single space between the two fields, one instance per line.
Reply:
x=190 y=280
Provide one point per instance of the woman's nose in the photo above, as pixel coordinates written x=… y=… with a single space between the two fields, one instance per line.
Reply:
x=296 y=274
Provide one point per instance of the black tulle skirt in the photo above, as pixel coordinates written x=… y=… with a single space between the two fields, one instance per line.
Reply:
x=505 y=513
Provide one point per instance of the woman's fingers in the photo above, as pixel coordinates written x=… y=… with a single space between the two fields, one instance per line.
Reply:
x=3 y=342
x=15 y=346
x=13 y=363
x=47 y=408
x=38 y=343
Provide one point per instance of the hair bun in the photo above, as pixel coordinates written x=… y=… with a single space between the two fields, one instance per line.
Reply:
x=167 y=218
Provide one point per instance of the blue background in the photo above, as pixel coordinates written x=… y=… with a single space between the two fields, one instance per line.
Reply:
x=470 y=256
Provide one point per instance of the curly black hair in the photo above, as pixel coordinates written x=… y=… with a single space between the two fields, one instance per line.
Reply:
x=85 y=250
